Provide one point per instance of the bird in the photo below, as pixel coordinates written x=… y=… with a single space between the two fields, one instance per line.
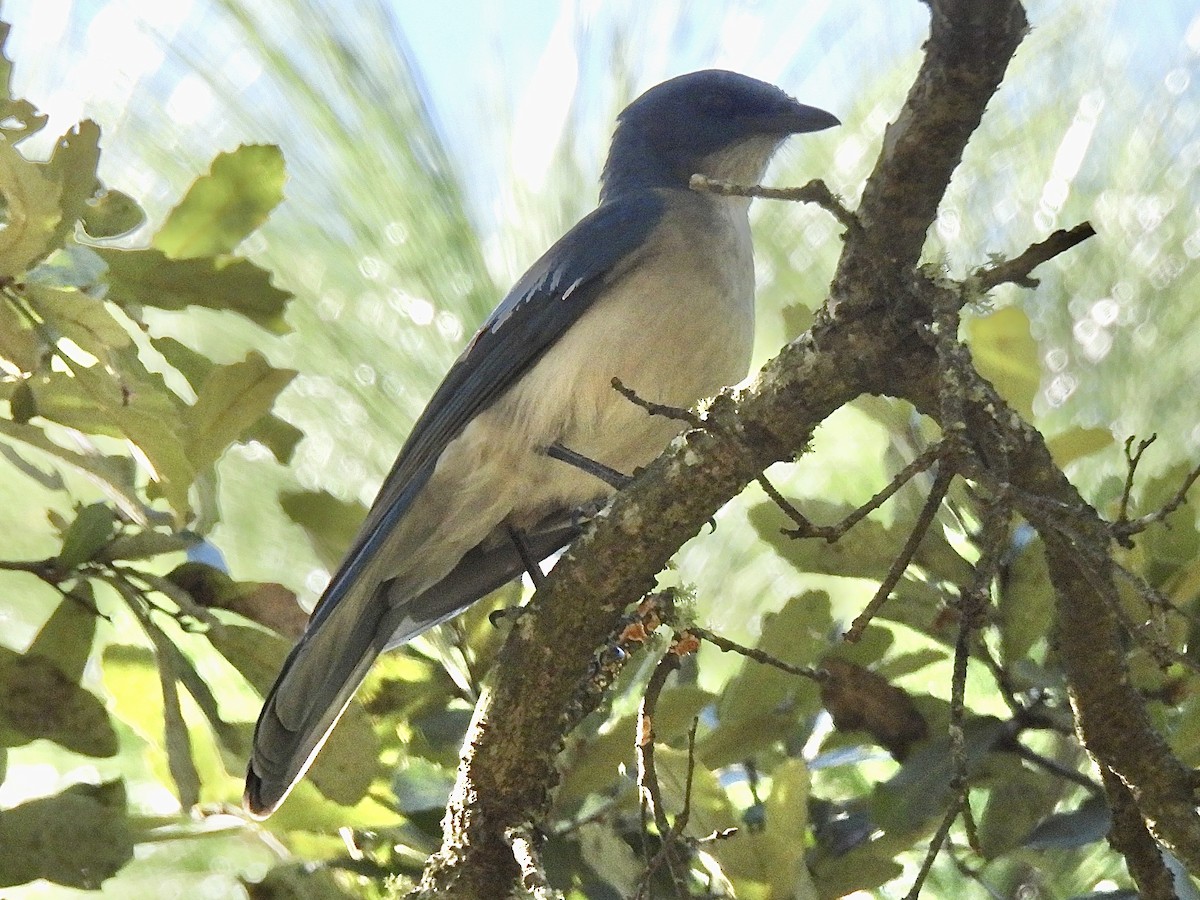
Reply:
x=526 y=434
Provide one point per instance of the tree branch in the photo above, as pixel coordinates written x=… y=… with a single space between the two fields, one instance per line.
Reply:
x=1017 y=270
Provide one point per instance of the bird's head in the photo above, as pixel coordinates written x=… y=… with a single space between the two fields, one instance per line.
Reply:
x=714 y=123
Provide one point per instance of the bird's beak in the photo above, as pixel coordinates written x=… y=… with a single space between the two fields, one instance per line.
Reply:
x=800 y=119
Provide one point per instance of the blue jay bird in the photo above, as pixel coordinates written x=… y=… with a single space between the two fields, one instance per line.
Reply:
x=655 y=287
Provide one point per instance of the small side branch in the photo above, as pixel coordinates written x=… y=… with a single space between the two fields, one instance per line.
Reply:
x=523 y=841
x=658 y=409
x=652 y=803
x=937 y=493
x=816 y=191
x=973 y=609
x=1124 y=529
x=1133 y=458
x=759 y=656
x=831 y=533
x=1017 y=270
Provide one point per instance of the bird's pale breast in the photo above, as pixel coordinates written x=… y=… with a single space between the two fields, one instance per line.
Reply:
x=675 y=331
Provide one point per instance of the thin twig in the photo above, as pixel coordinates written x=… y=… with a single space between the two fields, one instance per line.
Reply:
x=1163 y=653
x=1056 y=768
x=941 y=484
x=973 y=608
x=186 y=605
x=958 y=802
x=45 y=569
x=831 y=533
x=816 y=191
x=648 y=772
x=757 y=655
x=935 y=846
x=1124 y=529
x=1017 y=270
x=974 y=874
x=685 y=813
x=674 y=837
x=657 y=409
x=1132 y=459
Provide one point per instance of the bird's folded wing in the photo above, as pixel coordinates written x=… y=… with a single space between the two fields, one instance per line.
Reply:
x=548 y=299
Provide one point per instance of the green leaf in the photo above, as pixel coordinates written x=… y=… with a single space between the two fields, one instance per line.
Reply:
x=330 y=523
x=224 y=206
x=774 y=855
x=90 y=531
x=866 y=551
x=1176 y=543
x=192 y=365
x=594 y=765
x=1019 y=799
x=20 y=344
x=276 y=435
x=264 y=603
x=131 y=681
x=38 y=701
x=609 y=855
x=1071 y=830
x=921 y=790
x=150 y=278
x=1025 y=604
x=79 y=317
x=146 y=415
x=77 y=838
x=31 y=212
x=18 y=118
x=861 y=869
x=1076 y=443
x=22 y=404
x=145 y=545
x=301 y=880
x=66 y=638
x=112 y=472
x=176 y=738
x=1006 y=354
x=761 y=704
x=1185 y=735
x=710 y=811
x=231 y=400
x=112 y=214
x=797 y=319
x=421 y=786
x=73 y=165
x=72 y=266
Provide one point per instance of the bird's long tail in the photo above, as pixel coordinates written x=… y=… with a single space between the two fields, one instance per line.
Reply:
x=316 y=683
x=325 y=668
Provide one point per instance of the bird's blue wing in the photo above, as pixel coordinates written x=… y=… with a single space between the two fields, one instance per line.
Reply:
x=547 y=300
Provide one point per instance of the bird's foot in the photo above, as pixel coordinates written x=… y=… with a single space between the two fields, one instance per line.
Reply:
x=497 y=617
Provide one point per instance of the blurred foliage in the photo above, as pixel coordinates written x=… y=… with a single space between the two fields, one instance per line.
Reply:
x=155 y=411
